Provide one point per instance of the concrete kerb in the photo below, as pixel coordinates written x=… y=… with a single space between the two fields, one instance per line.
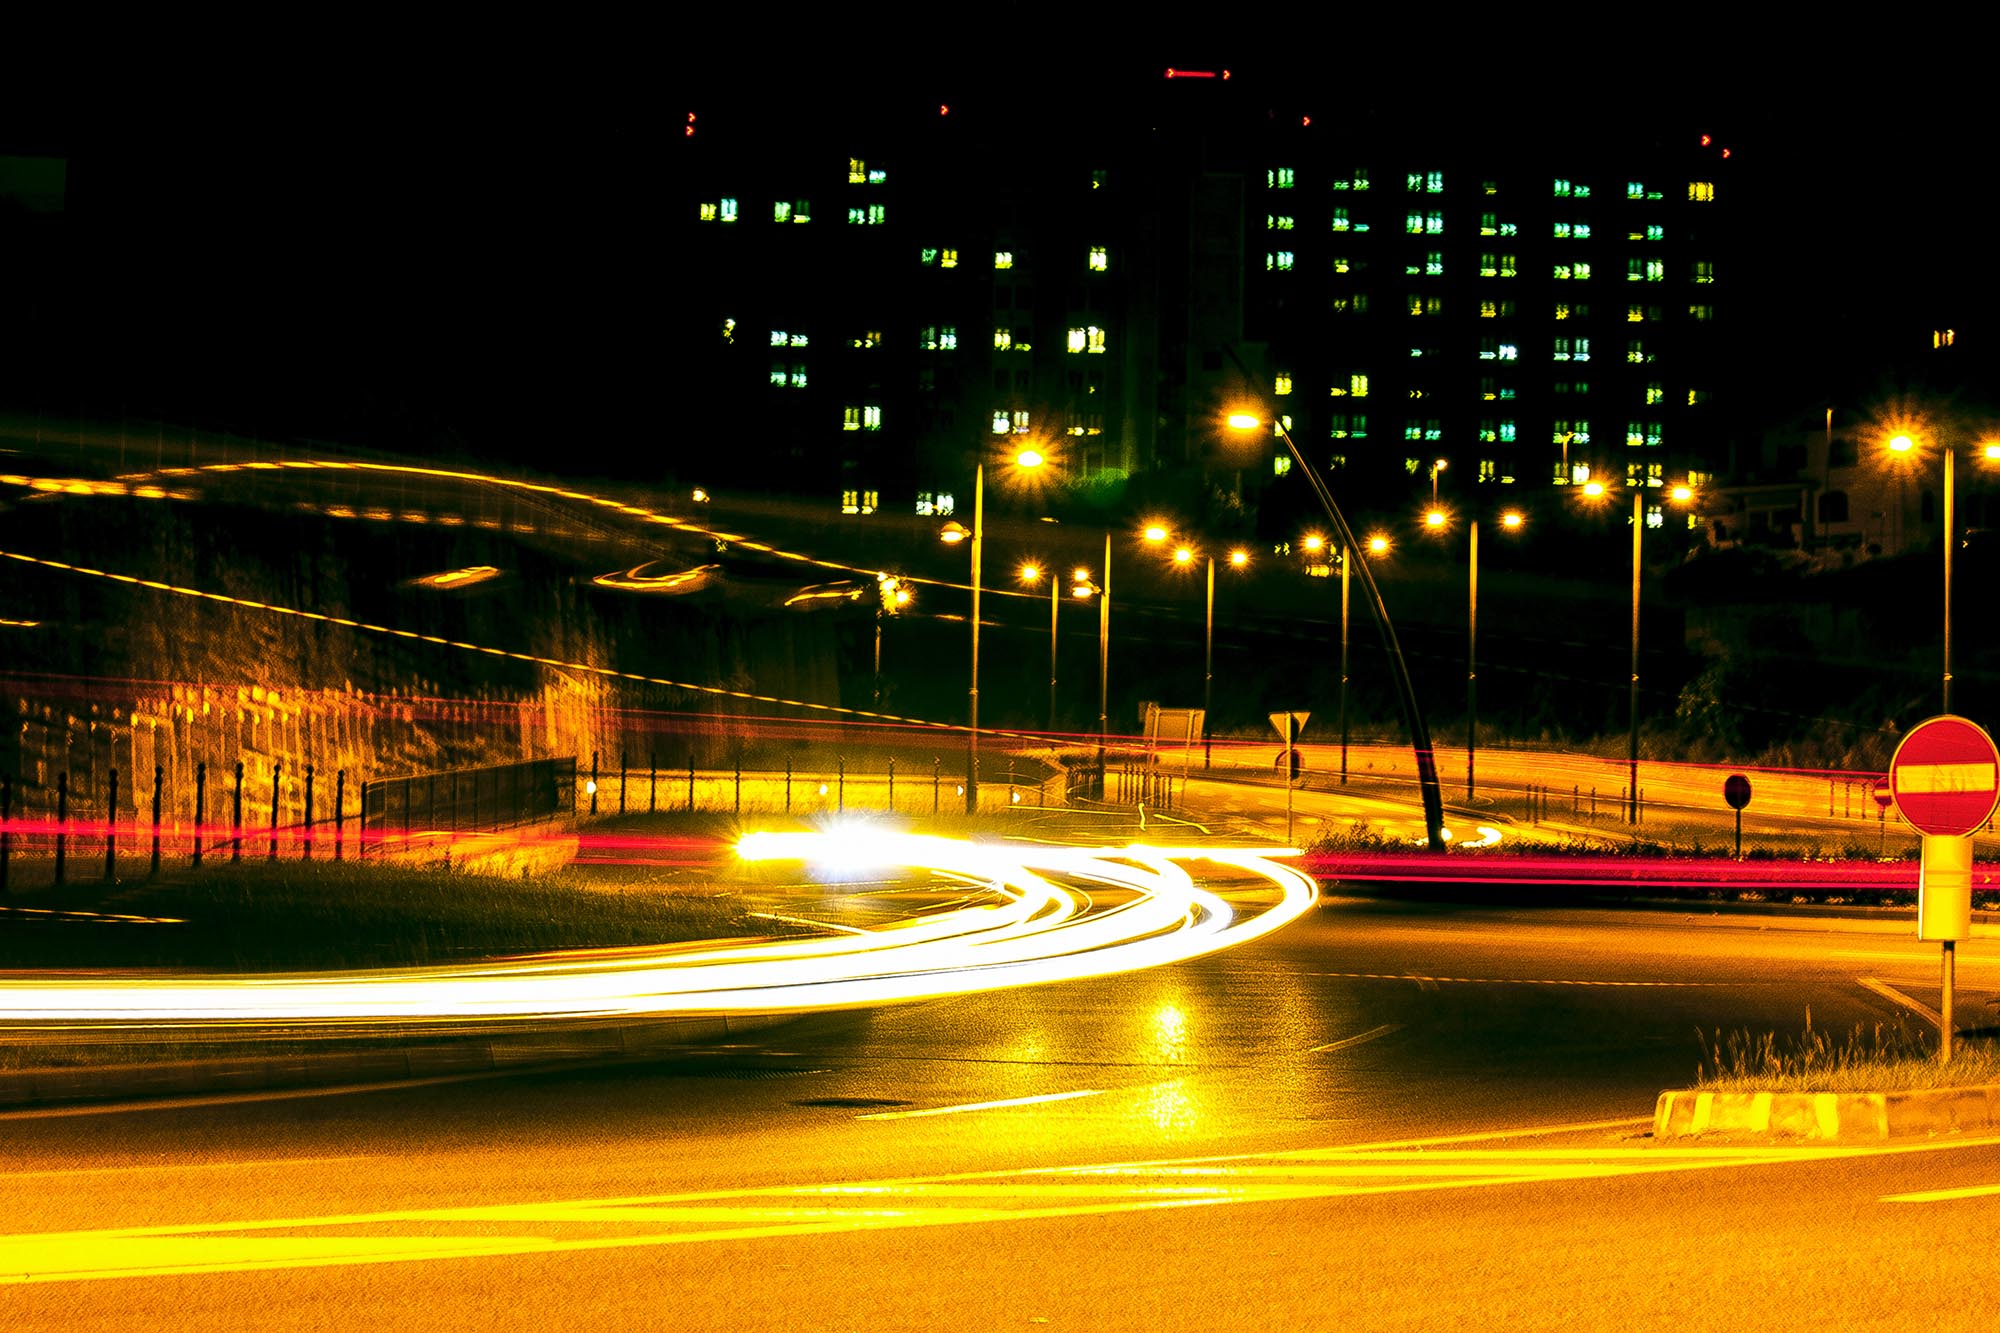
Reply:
x=524 y=1051
x=1828 y=1117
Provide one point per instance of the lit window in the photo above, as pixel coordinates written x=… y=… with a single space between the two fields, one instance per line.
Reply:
x=1019 y=417
x=1003 y=339
x=778 y=370
x=873 y=215
x=1093 y=339
x=1426 y=305
x=1075 y=341
x=1279 y=222
x=850 y=502
x=1002 y=423
x=1281 y=464
x=1424 y=224
x=929 y=256
x=857 y=171
x=1410 y=465
x=1358 y=181
x=1635 y=190
x=1282 y=385
x=851 y=419
x=938 y=338
x=1355 y=304
x=1571 y=190
x=1426 y=428
x=876 y=176
x=1341 y=220
x=1349 y=426
x=1279 y=178
x=1434 y=264
x=871 y=419
x=1701 y=313
x=1487 y=471
x=1100 y=259
x=1003 y=259
x=781 y=211
x=1099 y=178
x=1424 y=182
x=728 y=210
x=1696 y=397
x=1354 y=386
x=802 y=211
x=1575 y=432
x=1701 y=192
x=1655 y=232
x=947 y=258
x=1278 y=261
x=1342 y=265
x=707 y=212
x=1704 y=271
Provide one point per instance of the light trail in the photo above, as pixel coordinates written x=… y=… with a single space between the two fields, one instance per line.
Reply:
x=1032 y=927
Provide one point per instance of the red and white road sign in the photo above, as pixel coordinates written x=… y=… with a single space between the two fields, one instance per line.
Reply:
x=1946 y=776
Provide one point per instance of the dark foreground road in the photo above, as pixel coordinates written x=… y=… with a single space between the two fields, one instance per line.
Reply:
x=1385 y=1116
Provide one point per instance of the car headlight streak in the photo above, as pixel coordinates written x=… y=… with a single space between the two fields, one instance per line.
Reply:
x=1031 y=925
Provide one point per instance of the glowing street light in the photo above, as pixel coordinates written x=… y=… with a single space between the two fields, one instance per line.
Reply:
x=952 y=534
x=1511 y=521
x=1030 y=575
x=1902 y=443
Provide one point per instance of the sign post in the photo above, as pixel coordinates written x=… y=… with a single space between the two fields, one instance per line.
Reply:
x=1289 y=726
x=1736 y=791
x=1884 y=798
x=1945 y=780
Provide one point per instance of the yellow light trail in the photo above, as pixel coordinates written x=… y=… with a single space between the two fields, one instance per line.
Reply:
x=1031 y=927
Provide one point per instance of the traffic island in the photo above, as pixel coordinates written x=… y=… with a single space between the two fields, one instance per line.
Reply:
x=1828 y=1117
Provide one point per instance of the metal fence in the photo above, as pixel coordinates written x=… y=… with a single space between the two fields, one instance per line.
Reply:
x=469 y=800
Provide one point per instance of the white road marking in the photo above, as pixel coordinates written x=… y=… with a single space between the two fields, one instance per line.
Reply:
x=1942 y=1196
x=1357 y=1039
x=262 y=1095
x=1894 y=996
x=982 y=1106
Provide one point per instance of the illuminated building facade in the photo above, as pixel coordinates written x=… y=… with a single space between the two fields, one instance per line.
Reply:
x=1534 y=316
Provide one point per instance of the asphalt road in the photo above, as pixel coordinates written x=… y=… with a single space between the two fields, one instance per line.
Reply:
x=852 y=1171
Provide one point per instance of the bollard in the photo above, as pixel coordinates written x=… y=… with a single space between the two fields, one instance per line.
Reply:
x=621 y=779
x=339 y=814
x=111 y=827
x=236 y=818
x=62 y=821
x=593 y=784
x=690 y=782
x=200 y=808
x=934 y=784
x=1572 y=800
x=788 y=786
x=306 y=846
x=652 y=780
x=277 y=767
x=1593 y=802
x=6 y=831
x=840 y=795
x=739 y=785
x=158 y=773
x=892 y=785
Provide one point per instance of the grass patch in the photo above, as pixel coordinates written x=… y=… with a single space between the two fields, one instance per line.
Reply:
x=323 y=916
x=1881 y=1058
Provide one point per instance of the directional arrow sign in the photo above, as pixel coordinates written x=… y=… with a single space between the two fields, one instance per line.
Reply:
x=1946 y=776
x=1298 y=721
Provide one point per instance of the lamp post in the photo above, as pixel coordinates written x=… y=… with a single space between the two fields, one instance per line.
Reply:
x=1510 y=521
x=1031 y=574
x=1904 y=444
x=953 y=532
x=1413 y=718
x=1183 y=557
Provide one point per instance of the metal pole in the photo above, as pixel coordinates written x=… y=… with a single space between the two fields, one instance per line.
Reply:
x=1472 y=662
x=1950 y=978
x=1346 y=566
x=307 y=847
x=972 y=691
x=653 y=780
x=6 y=832
x=62 y=822
x=158 y=773
x=1104 y=656
x=593 y=783
x=277 y=767
x=1291 y=767
x=236 y=817
x=1947 y=621
x=1638 y=526
x=1208 y=665
x=690 y=781
x=200 y=808
x=339 y=812
x=622 y=770
x=111 y=826
x=1055 y=603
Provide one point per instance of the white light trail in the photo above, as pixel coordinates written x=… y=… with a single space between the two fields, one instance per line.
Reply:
x=1030 y=927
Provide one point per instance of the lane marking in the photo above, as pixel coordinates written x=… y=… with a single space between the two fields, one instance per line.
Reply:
x=259 y=1095
x=1356 y=1040
x=1942 y=1196
x=1446 y=1162
x=1894 y=996
x=1040 y=1100
x=70 y=1173
x=1425 y=979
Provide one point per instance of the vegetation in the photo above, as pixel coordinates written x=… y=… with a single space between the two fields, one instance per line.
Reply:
x=1878 y=1059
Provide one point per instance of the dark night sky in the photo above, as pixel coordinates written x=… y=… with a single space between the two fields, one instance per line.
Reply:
x=463 y=250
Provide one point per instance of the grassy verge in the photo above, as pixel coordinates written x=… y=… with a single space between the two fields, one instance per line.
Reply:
x=1877 y=1059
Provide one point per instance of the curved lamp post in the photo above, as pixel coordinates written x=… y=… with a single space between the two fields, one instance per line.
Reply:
x=1413 y=718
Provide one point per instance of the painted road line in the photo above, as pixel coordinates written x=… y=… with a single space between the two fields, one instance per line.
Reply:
x=70 y=1173
x=1942 y=1196
x=1043 y=1099
x=1894 y=996
x=845 y=1207
x=1427 y=980
x=1357 y=1039
x=263 y=1095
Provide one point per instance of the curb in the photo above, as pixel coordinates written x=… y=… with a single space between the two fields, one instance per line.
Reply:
x=525 y=1050
x=1828 y=1117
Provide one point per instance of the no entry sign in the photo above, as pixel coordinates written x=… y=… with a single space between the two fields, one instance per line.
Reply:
x=1945 y=776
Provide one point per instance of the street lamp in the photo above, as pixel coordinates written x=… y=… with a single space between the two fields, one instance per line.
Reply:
x=1681 y=495
x=1413 y=718
x=952 y=534
x=1437 y=520
x=1083 y=590
x=1238 y=559
x=1031 y=574
x=1902 y=443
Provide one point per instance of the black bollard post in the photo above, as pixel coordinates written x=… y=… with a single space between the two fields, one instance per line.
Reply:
x=236 y=818
x=111 y=827
x=6 y=832
x=788 y=786
x=62 y=822
x=840 y=778
x=339 y=814
x=200 y=808
x=690 y=782
x=158 y=774
x=739 y=784
x=934 y=784
x=306 y=846
x=621 y=779
x=892 y=785
x=593 y=784
x=653 y=781
x=276 y=767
